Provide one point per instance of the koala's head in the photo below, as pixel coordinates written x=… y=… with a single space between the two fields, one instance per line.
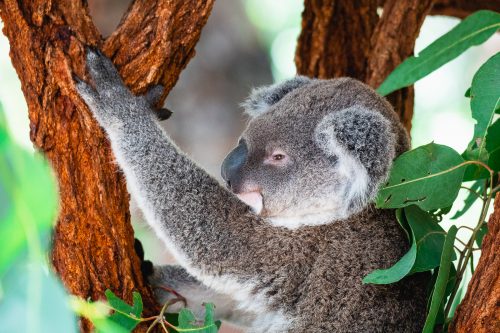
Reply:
x=314 y=151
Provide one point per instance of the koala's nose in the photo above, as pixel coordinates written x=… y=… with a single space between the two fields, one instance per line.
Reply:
x=234 y=161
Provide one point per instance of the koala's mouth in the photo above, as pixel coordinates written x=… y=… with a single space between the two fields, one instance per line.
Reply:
x=253 y=199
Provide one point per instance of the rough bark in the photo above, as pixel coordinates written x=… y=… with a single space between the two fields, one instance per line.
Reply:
x=346 y=38
x=479 y=311
x=459 y=8
x=335 y=38
x=463 y=8
x=392 y=42
x=93 y=241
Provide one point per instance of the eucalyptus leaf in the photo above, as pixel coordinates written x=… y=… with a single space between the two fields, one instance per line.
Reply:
x=485 y=98
x=428 y=176
x=473 y=30
x=186 y=319
x=188 y=322
x=474 y=171
x=425 y=251
x=478 y=187
x=125 y=315
x=438 y=295
x=209 y=322
x=437 y=214
x=485 y=102
x=493 y=144
x=400 y=217
x=481 y=233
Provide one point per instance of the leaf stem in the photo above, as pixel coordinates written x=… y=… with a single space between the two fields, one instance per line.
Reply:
x=466 y=255
x=479 y=196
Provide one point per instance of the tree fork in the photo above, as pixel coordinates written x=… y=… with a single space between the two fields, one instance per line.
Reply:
x=93 y=241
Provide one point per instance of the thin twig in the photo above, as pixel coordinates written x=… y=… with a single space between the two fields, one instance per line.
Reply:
x=479 y=196
x=462 y=264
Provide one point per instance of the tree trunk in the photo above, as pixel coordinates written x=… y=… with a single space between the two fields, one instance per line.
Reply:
x=347 y=38
x=93 y=242
x=479 y=311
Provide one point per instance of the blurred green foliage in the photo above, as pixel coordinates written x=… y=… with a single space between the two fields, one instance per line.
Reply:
x=27 y=212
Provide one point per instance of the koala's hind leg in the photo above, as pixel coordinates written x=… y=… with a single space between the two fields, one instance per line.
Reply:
x=178 y=280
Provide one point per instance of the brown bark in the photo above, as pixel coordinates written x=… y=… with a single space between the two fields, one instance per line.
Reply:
x=335 y=38
x=463 y=8
x=392 y=42
x=346 y=38
x=479 y=311
x=93 y=239
x=459 y=8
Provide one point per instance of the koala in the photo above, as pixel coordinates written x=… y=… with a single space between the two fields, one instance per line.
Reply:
x=284 y=244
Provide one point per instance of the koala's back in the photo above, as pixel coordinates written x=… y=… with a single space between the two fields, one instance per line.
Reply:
x=332 y=298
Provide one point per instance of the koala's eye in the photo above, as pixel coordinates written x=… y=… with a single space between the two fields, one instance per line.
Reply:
x=278 y=157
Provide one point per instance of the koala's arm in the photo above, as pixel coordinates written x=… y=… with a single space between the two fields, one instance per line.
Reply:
x=205 y=226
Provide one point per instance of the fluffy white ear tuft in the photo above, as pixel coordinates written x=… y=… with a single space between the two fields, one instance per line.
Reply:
x=364 y=143
x=261 y=99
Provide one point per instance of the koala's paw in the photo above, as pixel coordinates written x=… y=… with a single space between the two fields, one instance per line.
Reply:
x=111 y=102
x=108 y=98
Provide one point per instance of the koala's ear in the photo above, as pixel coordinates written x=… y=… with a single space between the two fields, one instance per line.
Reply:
x=262 y=98
x=362 y=133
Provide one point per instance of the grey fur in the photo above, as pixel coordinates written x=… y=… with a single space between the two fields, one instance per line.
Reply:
x=306 y=279
x=262 y=98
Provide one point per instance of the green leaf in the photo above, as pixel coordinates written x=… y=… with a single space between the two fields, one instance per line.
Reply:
x=467 y=93
x=188 y=322
x=209 y=322
x=474 y=171
x=474 y=30
x=425 y=251
x=493 y=145
x=186 y=319
x=28 y=198
x=400 y=217
x=125 y=315
x=481 y=233
x=428 y=176
x=450 y=285
x=438 y=295
x=485 y=102
x=485 y=98
x=478 y=187
x=437 y=214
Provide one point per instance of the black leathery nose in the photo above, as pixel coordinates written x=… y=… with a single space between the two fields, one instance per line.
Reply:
x=233 y=162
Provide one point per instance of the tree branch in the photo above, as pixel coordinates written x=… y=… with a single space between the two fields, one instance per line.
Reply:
x=463 y=8
x=392 y=42
x=335 y=38
x=459 y=8
x=155 y=41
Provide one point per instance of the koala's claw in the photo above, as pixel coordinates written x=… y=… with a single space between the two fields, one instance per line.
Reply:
x=102 y=71
x=163 y=113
